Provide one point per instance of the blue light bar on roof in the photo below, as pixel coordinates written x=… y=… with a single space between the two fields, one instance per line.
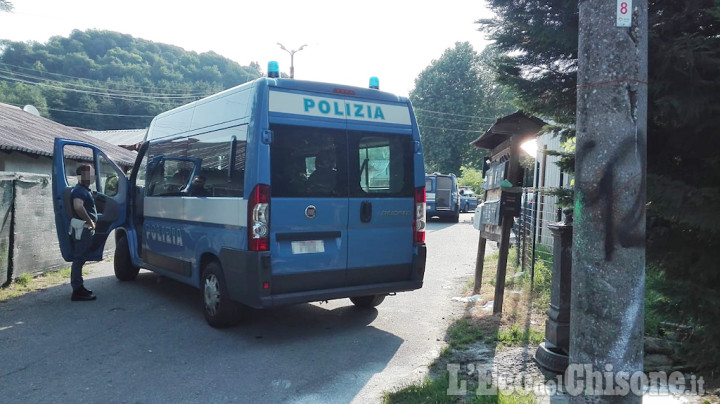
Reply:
x=374 y=83
x=273 y=69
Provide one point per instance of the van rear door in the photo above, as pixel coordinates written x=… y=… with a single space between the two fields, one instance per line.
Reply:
x=309 y=208
x=381 y=189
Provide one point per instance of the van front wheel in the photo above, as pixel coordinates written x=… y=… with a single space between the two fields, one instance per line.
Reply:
x=367 y=301
x=218 y=309
x=124 y=268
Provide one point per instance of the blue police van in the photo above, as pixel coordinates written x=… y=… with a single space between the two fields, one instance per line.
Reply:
x=274 y=192
x=443 y=198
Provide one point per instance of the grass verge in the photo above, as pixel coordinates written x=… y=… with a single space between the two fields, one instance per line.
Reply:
x=26 y=283
x=436 y=391
x=522 y=323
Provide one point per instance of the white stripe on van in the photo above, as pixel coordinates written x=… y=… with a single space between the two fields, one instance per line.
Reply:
x=222 y=211
x=338 y=108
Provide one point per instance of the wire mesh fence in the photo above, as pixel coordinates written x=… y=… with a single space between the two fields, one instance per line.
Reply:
x=533 y=239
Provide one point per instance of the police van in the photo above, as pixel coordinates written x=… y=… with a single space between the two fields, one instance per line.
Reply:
x=274 y=192
x=443 y=197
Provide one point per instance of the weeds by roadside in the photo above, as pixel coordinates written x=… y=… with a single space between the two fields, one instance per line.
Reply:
x=26 y=283
x=479 y=335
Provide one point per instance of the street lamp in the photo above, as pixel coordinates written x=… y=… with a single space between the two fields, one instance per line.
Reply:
x=292 y=54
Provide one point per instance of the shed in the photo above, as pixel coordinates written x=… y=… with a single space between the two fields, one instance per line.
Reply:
x=26 y=142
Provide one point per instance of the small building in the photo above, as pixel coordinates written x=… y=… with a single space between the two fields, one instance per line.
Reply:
x=26 y=142
x=28 y=240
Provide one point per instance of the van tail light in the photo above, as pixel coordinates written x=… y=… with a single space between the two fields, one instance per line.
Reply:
x=259 y=218
x=419 y=219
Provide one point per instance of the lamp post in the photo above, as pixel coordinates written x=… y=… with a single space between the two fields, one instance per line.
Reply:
x=292 y=54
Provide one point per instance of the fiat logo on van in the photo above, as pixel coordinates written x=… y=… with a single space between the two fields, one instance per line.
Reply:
x=310 y=212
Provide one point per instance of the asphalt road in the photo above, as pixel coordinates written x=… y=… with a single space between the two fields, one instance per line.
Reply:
x=147 y=341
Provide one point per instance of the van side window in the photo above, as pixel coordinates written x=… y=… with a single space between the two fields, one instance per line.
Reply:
x=218 y=157
x=383 y=166
x=164 y=171
x=222 y=155
x=308 y=162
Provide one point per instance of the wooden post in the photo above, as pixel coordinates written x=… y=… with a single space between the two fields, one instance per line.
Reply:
x=479 y=263
x=507 y=222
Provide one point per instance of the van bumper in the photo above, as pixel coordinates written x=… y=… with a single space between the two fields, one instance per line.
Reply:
x=247 y=272
x=339 y=293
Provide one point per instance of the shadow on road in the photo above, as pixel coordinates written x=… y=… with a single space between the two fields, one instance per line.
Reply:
x=147 y=341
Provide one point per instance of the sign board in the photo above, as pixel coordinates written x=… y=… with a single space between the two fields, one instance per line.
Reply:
x=624 y=13
x=338 y=108
x=495 y=175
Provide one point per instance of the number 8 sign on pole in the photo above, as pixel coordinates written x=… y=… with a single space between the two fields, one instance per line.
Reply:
x=624 y=13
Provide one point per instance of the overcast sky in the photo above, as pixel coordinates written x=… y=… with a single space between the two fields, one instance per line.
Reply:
x=347 y=42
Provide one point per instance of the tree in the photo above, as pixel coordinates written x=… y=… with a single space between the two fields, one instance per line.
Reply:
x=453 y=108
x=537 y=42
x=6 y=6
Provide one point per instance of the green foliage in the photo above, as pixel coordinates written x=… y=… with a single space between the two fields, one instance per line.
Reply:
x=107 y=80
x=434 y=391
x=516 y=336
x=472 y=178
x=24 y=279
x=463 y=333
x=456 y=100
x=538 y=46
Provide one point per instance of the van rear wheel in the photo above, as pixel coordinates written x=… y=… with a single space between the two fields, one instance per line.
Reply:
x=218 y=309
x=367 y=301
x=124 y=268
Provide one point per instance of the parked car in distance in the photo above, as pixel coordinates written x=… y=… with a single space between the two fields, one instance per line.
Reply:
x=469 y=200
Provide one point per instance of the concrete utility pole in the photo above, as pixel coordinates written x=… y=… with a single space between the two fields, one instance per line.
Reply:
x=608 y=279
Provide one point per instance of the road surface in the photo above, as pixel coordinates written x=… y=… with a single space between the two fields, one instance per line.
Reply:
x=147 y=341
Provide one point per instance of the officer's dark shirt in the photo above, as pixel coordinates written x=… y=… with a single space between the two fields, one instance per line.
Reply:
x=82 y=192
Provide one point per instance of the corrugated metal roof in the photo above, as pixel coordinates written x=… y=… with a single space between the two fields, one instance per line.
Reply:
x=27 y=133
x=124 y=137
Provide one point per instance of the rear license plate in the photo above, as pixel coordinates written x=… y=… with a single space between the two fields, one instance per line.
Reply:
x=308 y=247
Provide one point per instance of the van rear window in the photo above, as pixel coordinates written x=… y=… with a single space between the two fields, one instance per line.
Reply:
x=321 y=162
x=308 y=161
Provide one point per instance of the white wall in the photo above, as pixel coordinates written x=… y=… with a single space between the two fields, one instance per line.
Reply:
x=24 y=163
x=548 y=176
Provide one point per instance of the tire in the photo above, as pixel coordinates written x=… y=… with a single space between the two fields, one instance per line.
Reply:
x=367 y=302
x=124 y=268
x=219 y=310
x=456 y=218
x=466 y=208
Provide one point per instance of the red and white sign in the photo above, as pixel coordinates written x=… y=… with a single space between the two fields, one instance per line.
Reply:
x=624 y=13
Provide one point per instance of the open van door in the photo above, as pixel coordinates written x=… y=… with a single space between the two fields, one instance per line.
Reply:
x=109 y=189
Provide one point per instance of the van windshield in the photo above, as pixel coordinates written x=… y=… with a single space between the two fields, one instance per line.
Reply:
x=321 y=162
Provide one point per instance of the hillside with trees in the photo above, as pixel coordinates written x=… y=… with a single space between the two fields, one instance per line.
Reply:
x=108 y=80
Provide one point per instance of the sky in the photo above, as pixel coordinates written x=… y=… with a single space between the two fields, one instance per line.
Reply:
x=347 y=42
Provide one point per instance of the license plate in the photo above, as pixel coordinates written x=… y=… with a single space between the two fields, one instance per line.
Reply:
x=308 y=247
